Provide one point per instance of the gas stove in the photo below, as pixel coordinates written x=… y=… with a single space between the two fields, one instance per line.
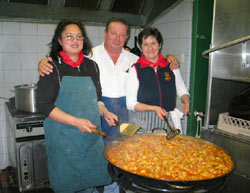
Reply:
x=24 y=124
x=21 y=116
x=26 y=149
x=130 y=182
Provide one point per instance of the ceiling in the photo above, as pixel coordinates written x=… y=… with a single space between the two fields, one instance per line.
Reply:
x=136 y=12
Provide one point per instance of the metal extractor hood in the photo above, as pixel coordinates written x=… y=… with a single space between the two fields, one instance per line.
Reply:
x=136 y=12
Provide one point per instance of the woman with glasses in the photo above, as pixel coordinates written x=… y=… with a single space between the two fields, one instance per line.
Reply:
x=70 y=98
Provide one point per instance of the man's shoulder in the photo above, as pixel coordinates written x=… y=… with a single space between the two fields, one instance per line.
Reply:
x=131 y=56
x=97 y=51
x=97 y=48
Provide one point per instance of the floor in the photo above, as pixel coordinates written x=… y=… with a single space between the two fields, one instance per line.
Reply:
x=5 y=188
x=235 y=184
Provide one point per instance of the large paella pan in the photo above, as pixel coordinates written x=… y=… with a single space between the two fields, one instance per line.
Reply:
x=183 y=161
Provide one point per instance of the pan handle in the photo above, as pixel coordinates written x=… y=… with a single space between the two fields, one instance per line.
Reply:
x=98 y=132
x=104 y=134
x=179 y=186
x=154 y=129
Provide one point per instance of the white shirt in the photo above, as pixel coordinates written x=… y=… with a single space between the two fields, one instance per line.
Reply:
x=133 y=86
x=113 y=77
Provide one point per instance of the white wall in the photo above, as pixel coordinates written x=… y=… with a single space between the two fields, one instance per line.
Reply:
x=21 y=47
x=176 y=29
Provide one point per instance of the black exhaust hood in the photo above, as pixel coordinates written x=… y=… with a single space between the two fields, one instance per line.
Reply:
x=136 y=12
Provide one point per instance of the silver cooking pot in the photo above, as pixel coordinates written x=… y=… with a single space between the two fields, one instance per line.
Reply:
x=25 y=97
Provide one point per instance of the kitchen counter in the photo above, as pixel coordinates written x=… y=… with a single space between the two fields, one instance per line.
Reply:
x=239 y=148
x=237 y=184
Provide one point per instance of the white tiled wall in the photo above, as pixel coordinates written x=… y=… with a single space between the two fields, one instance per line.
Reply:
x=19 y=50
x=176 y=28
x=22 y=45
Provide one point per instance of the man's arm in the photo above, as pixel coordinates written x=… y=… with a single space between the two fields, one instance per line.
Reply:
x=44 y=67
x=174 y=63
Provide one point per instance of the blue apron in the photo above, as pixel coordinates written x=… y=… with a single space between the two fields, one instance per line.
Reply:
x=118 y=107
x=75 y=159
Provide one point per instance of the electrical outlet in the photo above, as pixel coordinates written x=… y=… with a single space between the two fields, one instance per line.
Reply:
x=182 y=57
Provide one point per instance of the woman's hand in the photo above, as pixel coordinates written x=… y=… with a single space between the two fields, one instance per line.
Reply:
x=44 y=67
x=174 y=63
x=84 y=125
x=161 y=113
x=185 y=108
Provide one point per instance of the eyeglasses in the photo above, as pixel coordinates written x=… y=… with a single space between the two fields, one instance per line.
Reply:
x=71 y=37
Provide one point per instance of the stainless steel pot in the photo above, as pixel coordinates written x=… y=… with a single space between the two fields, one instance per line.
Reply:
x=25 y=97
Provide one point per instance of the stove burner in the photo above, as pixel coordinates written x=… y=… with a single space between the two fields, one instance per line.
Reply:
x=126 y=182
x=23 y=116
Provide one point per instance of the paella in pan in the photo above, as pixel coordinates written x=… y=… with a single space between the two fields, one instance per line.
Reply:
x=183 y=158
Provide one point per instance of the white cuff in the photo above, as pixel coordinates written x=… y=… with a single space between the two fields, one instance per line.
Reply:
x=176 y=116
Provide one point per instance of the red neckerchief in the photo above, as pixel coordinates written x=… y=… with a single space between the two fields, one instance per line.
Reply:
x=161 y=62
x=67 y=60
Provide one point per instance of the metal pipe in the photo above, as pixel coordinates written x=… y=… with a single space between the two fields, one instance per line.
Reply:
x=225 y=45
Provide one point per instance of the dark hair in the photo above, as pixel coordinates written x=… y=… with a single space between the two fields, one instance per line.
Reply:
x=55 y=47
x=150 y=31
x=118 y=20
x=127 y=47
